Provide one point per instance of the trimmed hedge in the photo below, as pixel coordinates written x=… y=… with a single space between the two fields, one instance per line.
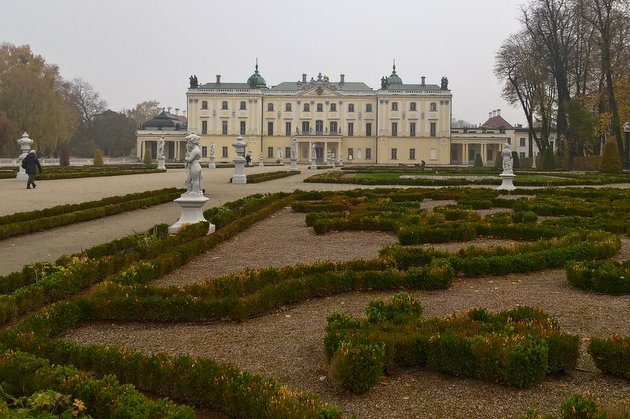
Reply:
x=33 y=221
x=517 y=347
x=22 y=374
x=609 y=276
x=264 y=177
x=612 y=355
x=74 y=172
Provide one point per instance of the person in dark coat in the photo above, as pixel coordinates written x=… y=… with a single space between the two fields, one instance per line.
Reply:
x=31 y=164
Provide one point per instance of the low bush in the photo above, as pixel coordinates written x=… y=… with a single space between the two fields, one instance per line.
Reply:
x=431 y=234
x=610 y=276
x=98 y=157
x=612 y=355
x=517 y=347
x=22 y=374
x=263 y=177
x=610 y=161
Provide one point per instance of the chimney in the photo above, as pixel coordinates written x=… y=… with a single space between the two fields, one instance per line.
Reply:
x=303 y=77
x=423 y=77
x=169 y=109
x=218 y=78
x=489 y=115
x=177 y=111
x=498 y=112
x=342 y=79
x=494 y=113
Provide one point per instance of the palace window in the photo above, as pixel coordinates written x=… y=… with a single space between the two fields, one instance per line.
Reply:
x=224 y=104
x=351 y=107
x=269 y=128
x=394 y=106
x=333 y=107
x=433 y=107
x=287 y=107
x=319 y=127
x=412 y=106
x=368 y=154
x=350 y=154
x=333 y=128
x=394 y=129
x=368 y=129
x=204 y=151
x=204 y=127
x=368 y=107
x=320 y=107
x=433 y=129
x=270 y=107
x=412 y=129
x=270 y=152
x=394 y=154
x=306 y=127
x=307 y=107
x=204 y=104
x=489 y=154
x=412 y=154
x=224 y=152
x=243 y=105
x=243 y=126
x=224 y=127
x=522 y=142
x=287 y=152
x=350 y=129
x=287 y=129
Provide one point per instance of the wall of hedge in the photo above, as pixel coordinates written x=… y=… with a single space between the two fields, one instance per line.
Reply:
x=33 y=221
x=264 y=177
x=612 y=355
x=517 y=347
x=609 y=276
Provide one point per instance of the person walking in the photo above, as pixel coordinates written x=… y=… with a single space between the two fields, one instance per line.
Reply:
x=31 y=164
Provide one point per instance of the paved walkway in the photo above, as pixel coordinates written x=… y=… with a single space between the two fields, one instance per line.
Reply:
x=49 y=245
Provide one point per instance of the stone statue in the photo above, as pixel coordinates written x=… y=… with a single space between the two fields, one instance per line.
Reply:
x=507 y=158
x=383 y=83
x=212 y=149
x=313 y=151
x=193 y=168
x=193 y=82
x=160 y=150
x=293 y=148
x=279 y=153
x=444 y=83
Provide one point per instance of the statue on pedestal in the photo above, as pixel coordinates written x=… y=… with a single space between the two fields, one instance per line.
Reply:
x=160 y=150
x=293 y=149
x=212 y=149
x=193 y=168
x=444 y=85
x=313 y=151
x=508 y=164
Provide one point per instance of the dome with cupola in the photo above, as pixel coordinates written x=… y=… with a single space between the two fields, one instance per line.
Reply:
x=256 y=81
x=394 y=78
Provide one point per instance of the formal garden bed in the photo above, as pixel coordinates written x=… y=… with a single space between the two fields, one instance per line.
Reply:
x=32 y=221
x=73 y=172
x=185 y=334
x=416 y=177
x=264 y=177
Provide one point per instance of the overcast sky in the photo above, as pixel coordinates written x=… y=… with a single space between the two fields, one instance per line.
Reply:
x=135 y=50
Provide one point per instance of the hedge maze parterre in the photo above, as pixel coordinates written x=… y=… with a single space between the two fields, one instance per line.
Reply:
x=576 y=228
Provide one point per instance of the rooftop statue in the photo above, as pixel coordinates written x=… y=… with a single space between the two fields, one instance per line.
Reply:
x=193 y=82
x=444 y=83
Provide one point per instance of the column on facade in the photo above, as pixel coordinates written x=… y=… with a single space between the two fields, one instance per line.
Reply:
x=325 y=151
x=465 y=154
x=484 y=155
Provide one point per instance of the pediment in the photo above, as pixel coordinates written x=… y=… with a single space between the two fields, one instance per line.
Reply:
x=319 y=91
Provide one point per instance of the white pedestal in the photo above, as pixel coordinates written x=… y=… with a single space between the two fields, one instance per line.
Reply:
x=507 y=183
x=313 y=165
x=191 y=204
x=239 y=176
x=261 y=164
x=293 y=167
x=332 y=164
x=212 y=164
x=161 y=163
x=21 y=175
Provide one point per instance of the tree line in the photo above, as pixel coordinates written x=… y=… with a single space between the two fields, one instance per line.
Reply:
x=568 y=69
x=59 y=114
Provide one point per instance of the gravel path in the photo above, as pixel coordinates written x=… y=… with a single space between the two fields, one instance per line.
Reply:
x=289 y=345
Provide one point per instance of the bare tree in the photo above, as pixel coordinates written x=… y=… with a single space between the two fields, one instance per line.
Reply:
x=87 y=100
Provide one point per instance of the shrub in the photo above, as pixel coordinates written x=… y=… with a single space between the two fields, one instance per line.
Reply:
x=98 y=157
x=478 y=160
x=356 y=367
x=579 y=407
x=400 y=309
x=610 y=276
x=610 y=162
x=612 y=355
x=516 y=161
x=64 y=157
x=148 y=157
x=548 y=159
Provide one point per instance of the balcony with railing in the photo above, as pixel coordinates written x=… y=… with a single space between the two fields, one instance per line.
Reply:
x=320 y=133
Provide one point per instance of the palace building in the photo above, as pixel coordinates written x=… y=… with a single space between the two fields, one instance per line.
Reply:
x=399 y=123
